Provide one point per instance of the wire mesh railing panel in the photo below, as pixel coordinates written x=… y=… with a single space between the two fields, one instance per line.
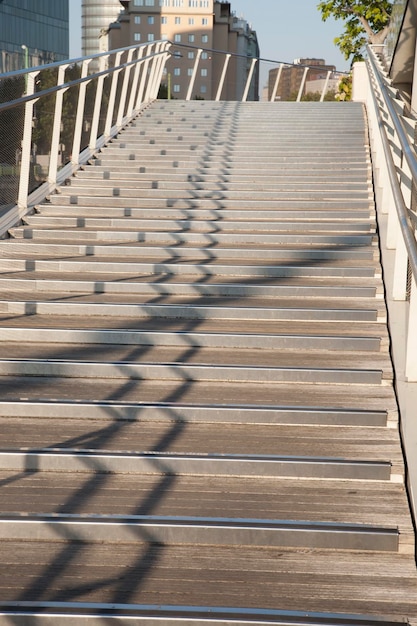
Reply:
x=43 y=119
x=117 y=77
x=11 y=132
x=69 y=112
x=104 y=104
x=73 y=109
x=87 y=120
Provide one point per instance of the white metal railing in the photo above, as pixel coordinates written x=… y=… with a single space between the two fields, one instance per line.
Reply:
x=392 y=135
x=132 y=92
x=123 y=82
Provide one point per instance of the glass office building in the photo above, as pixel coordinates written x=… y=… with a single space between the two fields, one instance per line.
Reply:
x=33 y=32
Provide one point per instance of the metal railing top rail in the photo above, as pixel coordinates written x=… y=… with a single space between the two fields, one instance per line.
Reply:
x=405 y=222
x=74 y=61
x=103 y=92
x=40 y=162
x=79 y=60
x=167 y=43
x=78 y=81
x=258 y=59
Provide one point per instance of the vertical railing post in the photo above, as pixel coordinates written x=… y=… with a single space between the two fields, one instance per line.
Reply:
x=125 y=86
x=56 y=127
x=162 y=63
x=112 y=97
x=399 y=285
x=155 y=72
x=222 y=77
x=248 y=82
x=401 y=254
x=393 y=236
x=22 y=198
x=303 y=82
x=326 y=84
x=278 y=78
x=135 y=82
x=194 y=74
x=76 y=145
x=144 y=76
x=97 y=103
x=411 y=351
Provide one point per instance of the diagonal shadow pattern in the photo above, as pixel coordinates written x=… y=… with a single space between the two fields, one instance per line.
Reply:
x=146 y=555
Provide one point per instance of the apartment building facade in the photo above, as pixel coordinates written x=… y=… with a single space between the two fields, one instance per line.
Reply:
x=192 y=25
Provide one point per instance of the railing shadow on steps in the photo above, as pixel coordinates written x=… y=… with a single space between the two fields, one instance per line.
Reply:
x=102 y=437
x=148 y=554
x=142 y=562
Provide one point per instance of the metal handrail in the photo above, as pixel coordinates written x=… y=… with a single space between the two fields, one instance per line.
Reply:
x=79 y=60
x=77 y=81
x=147 y=60
x=141 y=71
x=405 y=221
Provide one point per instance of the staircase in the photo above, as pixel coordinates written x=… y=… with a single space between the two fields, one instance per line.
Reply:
x=197 y=410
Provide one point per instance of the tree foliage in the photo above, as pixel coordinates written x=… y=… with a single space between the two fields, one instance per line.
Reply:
x=314 y=96
x=366 y=21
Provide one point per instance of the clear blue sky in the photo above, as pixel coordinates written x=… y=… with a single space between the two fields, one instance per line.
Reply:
x=287 y=29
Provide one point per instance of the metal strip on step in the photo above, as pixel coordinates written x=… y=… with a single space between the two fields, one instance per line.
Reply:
x=188 y=338
x=197 y=289
x=87 y=613
x=245 y=414
x=186 y=311
x=184 y=371
x=90 y=461
x=362 y=242
x=198 y=530
x=202 y=270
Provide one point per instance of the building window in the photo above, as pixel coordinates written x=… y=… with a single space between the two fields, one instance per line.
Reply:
x=178 y=20
x=164 y=37
x=151 y=37
x=177 y=3
x=149 y=3
x=177 y=71
x=204 y=56
x=138 y=3
x=137 y=36
x=191 y=55
x=204 y=21
x=151 y=19
x=137 y=19
x=203 y=72
x=204 y=38
x=176 y=88
x=164 y=20
x=204 y=4
x=177 y=38
x=193 y=3
x=190 y=21
x=190 y=71
x=203 y=89
x=191 y=38
x=164 y=3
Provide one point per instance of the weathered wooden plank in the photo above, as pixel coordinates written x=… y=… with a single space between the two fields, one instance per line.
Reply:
x=191 y=575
